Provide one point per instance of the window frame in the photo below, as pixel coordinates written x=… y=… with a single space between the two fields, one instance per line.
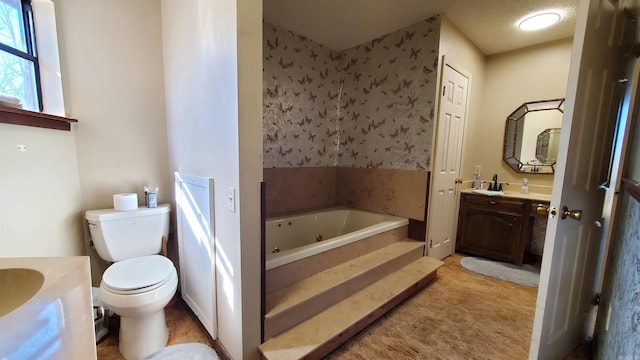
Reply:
x=31 y=44
x=52 y=113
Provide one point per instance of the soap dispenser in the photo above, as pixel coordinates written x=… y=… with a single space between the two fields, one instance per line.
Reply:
x=476 y=182
x=525 y=186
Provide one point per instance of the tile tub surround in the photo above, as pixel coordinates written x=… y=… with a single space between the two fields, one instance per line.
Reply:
x=386 y=191
x=58 y=320
x=296 y=189
x=400 y=193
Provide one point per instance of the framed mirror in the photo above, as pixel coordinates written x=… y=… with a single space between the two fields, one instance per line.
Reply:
x=532 y=136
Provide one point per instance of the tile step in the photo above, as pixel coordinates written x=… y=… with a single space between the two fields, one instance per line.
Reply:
x=325 y=331
x=297 y=302
x=284 y=298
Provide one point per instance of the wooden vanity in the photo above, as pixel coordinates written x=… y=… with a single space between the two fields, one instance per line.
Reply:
x=497 y=227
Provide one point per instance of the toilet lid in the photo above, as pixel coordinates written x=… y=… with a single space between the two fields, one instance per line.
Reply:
x=138 y=273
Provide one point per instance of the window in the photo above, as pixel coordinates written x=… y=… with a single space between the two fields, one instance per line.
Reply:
x=19 y=70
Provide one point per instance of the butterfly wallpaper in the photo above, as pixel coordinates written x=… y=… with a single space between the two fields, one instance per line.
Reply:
x=371 y=106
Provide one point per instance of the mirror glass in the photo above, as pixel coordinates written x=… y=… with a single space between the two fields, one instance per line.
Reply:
x=547 y=146
x=532 y=136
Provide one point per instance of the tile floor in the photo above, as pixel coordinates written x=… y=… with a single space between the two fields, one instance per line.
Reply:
x=184 y=327
x=461 y=315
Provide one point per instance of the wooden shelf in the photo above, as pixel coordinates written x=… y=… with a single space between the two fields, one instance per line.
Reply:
x=13 y=116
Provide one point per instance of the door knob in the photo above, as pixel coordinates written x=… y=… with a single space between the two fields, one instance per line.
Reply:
x=542 y=210
x=573 y=214
x=458 y=181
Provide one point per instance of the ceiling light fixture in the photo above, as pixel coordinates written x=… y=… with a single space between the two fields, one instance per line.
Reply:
x=539 y=20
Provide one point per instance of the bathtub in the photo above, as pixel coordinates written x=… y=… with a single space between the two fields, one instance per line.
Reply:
x=296 y=237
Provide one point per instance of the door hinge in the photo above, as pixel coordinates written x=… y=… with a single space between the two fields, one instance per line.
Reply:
x=430 y=244
x=596 y=299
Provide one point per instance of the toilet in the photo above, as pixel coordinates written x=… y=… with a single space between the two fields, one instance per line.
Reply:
x=139 y=283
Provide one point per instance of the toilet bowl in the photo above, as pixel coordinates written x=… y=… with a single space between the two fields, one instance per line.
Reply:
x=138 y=289
x=139 y=283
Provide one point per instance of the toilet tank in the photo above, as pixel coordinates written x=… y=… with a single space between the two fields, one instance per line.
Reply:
x=121 y=235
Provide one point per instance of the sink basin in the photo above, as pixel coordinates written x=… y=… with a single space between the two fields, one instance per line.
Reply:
x=488 y=192
x=17 y=286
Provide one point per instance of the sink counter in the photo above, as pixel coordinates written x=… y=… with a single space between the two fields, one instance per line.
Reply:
x=518 y=195
x=57 y=322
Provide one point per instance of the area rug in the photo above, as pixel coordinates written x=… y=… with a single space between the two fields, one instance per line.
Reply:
x=194 y=351
x=525 y=275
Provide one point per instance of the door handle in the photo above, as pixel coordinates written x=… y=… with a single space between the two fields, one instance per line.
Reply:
x=458 y=181
x=542 y=210
x=573 y=214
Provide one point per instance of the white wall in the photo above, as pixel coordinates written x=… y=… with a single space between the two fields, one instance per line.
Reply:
x=39 y=193
x=112 y=68
x=111 y=57
x=461 y=52
x=250 y=134
x=511 y=79
x=213 y=67
x=111 y=64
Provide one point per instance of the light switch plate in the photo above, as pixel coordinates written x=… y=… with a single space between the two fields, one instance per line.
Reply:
x=231 y=199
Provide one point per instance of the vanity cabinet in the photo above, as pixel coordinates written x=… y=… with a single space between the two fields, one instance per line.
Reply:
x=497 y=228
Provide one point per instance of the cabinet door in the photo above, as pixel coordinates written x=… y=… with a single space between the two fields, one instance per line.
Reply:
x=194 y=202
x=493 y=228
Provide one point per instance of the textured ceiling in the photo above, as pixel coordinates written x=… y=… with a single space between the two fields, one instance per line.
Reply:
x=490 y=24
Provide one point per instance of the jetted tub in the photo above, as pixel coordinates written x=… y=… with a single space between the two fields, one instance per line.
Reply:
x=299 y=236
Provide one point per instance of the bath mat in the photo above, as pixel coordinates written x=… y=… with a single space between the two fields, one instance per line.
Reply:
x=193 y=351
x=525 y=275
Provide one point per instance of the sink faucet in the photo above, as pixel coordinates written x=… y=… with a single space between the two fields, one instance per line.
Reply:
x=494 y=186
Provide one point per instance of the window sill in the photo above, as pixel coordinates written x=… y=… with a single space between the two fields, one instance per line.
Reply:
x=13 y=116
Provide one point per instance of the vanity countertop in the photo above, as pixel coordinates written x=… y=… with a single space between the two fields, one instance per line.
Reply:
x=56 y=323
x=514 y=194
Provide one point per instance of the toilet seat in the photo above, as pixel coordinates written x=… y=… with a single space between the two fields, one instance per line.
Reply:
x=138 y=275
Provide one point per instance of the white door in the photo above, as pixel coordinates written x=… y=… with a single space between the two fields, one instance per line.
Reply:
x=194 y=200
x=443 y=197
x=570 y=260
